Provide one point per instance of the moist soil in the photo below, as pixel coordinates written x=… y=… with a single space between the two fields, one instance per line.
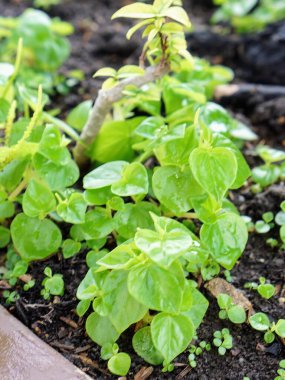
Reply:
x=97 y=43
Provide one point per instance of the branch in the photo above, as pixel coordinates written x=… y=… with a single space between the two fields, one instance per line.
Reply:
x=103 y=105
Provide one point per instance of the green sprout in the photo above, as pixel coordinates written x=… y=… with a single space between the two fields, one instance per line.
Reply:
x=223 y=340
x=265 y=289
x=235 y=313
x=261 y=322
x=53 y=284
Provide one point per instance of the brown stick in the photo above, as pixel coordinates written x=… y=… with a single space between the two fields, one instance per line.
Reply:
x=231 y=90
x=103 y=105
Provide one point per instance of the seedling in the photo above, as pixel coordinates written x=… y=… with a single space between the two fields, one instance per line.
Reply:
x=235 y=313
x=266 y=290
x=249 y=16
x=196 y=351
x=281 y=371
x=52 y=284
x=11 y=297
x=118 y=362
x=261 y=322
x=270 y=172
x=223 y=340
x=265 y=225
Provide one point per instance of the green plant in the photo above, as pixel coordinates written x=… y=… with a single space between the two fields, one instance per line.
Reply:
x=235 y=313
x=53 y=284
x=10 y=297
x=270 y=172
x=223 y=340
x=46 y=4
x=44 y=48
x=137 y=221
x=281 y=371
x=196 y=351
x=265 y=225
x=249 y=15
x=264 y=289
x=261 y=322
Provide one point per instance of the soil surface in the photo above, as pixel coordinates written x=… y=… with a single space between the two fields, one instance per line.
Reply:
x=96 y=43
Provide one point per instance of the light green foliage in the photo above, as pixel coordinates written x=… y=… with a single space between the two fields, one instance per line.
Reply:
x=235 y=313
x=261 y=322
x=266 y=290
x=53 y=284
x=270 y=172
x=153 y=210
x=196 y=351
x=281 y=371
x=223 y=341
x=35 y=239
x=119 y=364
x=249 y=15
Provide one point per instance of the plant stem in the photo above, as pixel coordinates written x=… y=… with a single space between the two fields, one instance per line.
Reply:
x=103 y=105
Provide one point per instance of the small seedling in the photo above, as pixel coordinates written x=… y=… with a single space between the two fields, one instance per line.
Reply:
x=266 y=290
x=52 y=284
x=196 y=351
x=11 y=297
x=281 y=371
x=235 y=313
x=265 y=225
x=223 y=340
x=29 y=285
x=261 y=322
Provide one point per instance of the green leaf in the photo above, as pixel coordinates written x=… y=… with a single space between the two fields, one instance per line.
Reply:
x=215 y=169
x=98 y=224
x=73 y=209
x=259 y=321
x=266 y=290
x=7 y=209
x=55 y=285
x=176 y=152
x=38 y=200
x=115 y=290
x=170 y=240
x=91 y=284
x=57 y=177
x=104 y=175
x=172 y=180
x=280 y=328
x=52 y=148
x=266 y=175
x=119 y=364
x=270 y=155
x=4 y=236
x=226 y=239
x=105 y=72
x=132 y=216
x=12 y=174
x=134 y=181
x=237 y=314
x=82 y=307
x=98 y=197
x=35 y=239
x=136 y=10
x=171 y=334
x=119 y=147
x=70 y=248
x=145 y=281
x=177 y=14
x=144 y=347
x=243 y=170
x=78 y=117
x=101 y=330
x=198 y=308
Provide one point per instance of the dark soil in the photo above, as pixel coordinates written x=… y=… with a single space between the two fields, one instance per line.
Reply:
x=96 y=43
